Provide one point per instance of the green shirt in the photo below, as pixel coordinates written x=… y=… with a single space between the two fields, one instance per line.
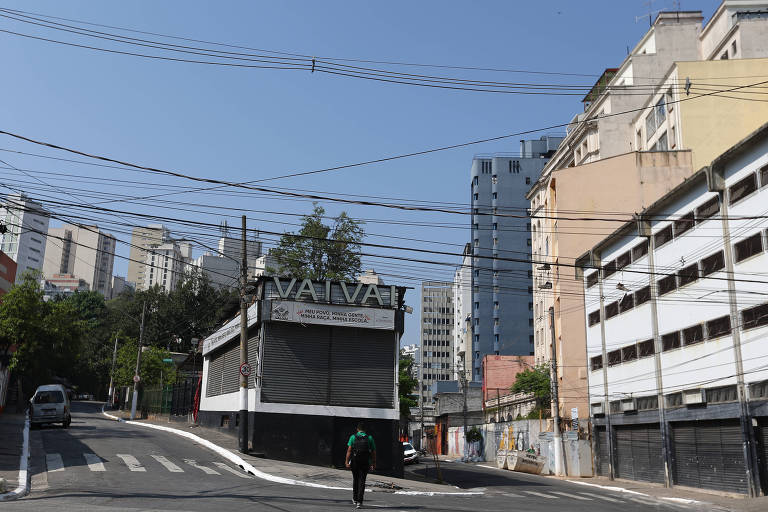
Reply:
x=371 y=443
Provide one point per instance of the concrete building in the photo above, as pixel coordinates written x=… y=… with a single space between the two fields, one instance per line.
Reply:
x=462 y=317
x=142 y=238
x=24 y=241
x=119 y=285
x=501 y=295
x=63 y=285
x=436 y=336
x=414 y=352
x=83 y=251
x=7 y=273
x=164 y=266
x=676 y=322
x=370 y=276
x=222 y=272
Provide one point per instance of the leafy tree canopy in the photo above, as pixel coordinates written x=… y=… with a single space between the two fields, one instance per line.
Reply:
x=152 y=367
x=405 y=386
x=534 y=381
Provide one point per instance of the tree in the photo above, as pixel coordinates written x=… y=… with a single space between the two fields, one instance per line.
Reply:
x=320 y=251
x=151 y=369
x=405 y=385
x=536 y=381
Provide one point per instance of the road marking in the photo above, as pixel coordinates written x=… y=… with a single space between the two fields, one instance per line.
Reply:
x=94 y=462
x=206 y=470
x=231 y=470
x=606 y=498
x=131 y=461
x=574 y=496
x=54 y=462
x=513 y=495
x=170 y=466
x=541 y=495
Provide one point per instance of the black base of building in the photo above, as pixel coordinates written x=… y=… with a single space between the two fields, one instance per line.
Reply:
x=309 y=439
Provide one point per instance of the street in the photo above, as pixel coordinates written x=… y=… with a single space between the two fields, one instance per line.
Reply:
x=99 y=464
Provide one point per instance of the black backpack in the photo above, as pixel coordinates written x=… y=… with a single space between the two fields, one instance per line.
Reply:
x=361 y=450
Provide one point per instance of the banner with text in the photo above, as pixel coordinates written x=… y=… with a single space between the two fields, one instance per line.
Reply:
x=331 y=314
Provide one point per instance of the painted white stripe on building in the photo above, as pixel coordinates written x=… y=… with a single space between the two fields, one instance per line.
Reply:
x=570 y=495
x=54 y=462
x=170 y=466
x=206 y=470
x=94 y=462
x=131 y=461
x=540 y=495
x=606 y=498
x=231 y=470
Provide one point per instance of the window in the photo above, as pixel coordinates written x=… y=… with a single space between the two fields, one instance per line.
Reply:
x=609 y=269
x=661 y=144
x=721 y=394
x=707 y=209
x=754 y=317
x=624 y=260
x=642 y=295
x=627 y=303
x=527 y=180
x=495 y=226
x=748 y=247
x=594 y=318
x=693 y=335
x=724 y=56
x=712 y=264
x=764 y=176
x=629 y=353
x=474 y=180
x=611 y=310
x=733 y=49
x=689 y=274
x=591 y=279
x=663 y=236
x=477 y=305
x=614 y=357
x=530 y=306
x=670 y=341
x=640 y=250
x=528 y=242
x=669 y=100
x=719 y=327
x=667 y=284
x=684 y=223
x=742 y=189
x=645 y=348
x=475 y=196
x=495 y=195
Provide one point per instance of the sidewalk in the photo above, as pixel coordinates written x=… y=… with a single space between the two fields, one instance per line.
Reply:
x=11 y=441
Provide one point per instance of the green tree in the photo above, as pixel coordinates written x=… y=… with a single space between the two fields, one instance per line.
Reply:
x=321 y=251
x=152 y=365
x=536 y=381
x=405 y=385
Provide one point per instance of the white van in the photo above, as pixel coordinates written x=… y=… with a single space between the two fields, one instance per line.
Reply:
x=50 y=404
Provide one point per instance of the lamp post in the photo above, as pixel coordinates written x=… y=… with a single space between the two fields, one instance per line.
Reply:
x=136 y=377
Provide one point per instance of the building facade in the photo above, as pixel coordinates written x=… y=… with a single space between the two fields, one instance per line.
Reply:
x=462 y=317
x=83 y=251
x=142 y=238
x=501 y=297
x=676 y=320
x=436 y=337
x=164 y=266
x=7 y=273
x=24 y=241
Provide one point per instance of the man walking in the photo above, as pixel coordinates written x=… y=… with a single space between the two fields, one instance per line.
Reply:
x=361 y=457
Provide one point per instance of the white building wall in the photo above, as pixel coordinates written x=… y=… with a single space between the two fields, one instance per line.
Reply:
x=24 y=242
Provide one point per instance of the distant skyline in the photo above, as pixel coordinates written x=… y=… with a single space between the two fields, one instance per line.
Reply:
x=244 y=124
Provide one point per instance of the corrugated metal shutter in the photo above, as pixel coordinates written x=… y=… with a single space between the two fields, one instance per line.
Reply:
x=709 y=455
x=362 y=367
x=296 y=364
x=625 y=466
x=762 y=440
x=638 y=453
x=215 y=372
x=253 y=357
x=231 y=380
x=601 y=438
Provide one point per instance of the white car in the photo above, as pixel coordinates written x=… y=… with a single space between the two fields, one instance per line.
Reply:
x=410 y=456
x=50 y=404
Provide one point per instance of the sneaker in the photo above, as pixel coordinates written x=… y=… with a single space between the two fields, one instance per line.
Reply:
x=359 y=505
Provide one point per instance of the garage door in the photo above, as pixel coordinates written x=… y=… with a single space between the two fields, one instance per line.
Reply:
x=708 y=454
x=762 y=446
x=639 y=453
x=601 y=442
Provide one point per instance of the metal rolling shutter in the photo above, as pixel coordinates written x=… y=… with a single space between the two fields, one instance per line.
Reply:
x=625 y=464
x=686 y=465
x=762 y=440
x=215 y=371
x=638 y=453
x=231 y=380
x=295 y=364
x=253 y=357
x=362 y=368
x=601 y=438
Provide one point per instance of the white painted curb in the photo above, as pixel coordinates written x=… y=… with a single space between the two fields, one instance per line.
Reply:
x=236 y=459
x=23 y=487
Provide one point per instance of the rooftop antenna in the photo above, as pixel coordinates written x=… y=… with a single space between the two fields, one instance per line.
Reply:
x=651 y=12
x=224 y=229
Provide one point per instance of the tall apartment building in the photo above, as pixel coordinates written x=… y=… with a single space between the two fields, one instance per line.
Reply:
x=164 y=266
x=462 y=316
x=436 y=336
x=27 y=225
x=502 y=316
x=142 y=238
x=85 y=252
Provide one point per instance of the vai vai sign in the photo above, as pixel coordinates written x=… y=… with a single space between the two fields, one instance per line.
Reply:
x=332 y=314
x=332 y=292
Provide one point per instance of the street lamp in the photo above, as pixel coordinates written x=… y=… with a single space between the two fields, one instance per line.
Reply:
x=136 y=377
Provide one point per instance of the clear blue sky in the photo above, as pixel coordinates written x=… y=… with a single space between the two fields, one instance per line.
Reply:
x=244 y=124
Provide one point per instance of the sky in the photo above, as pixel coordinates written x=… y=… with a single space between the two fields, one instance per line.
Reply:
x=241 y=124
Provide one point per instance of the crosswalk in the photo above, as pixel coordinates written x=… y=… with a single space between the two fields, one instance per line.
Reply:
x=55 y=463
x=549 y=494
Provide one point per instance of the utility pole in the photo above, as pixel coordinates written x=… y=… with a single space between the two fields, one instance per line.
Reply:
x=243 y=414
x=464 y=387
x=136 y=377
x=111 y=375
x=558 y=440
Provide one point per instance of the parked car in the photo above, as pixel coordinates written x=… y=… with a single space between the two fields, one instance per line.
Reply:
x=410 y=456
x=50 y=404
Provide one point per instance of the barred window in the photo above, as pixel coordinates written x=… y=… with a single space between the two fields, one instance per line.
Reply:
x=693 y=335
x=640 y=250
x=689 y=274
x=629 y=353
x=667 y=284
x=646 y=348
x=627 y=303
x=609 y=269
x=722 y=394
x=594 y=318
x=596 y=363
x=663 y=236
x=614 y=357
x=719 y=327
x=624 y=260
x=642 y=295
x=592 y=279
x=611 y=310
x=712 y=264
x=670 y=341
x=748 y=247
x=674 y=400
x=742 y=189
x=647 y=403
x=707 y=209
x=684 y=223
x=754 y=317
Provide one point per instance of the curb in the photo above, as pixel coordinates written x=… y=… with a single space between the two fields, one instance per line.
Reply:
x=684 y=501
x=23 y=487
x=248 y=468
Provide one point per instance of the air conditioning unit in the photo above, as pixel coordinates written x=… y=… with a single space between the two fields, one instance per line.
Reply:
x=694 y=396
x=628 y=404
x=597 y=408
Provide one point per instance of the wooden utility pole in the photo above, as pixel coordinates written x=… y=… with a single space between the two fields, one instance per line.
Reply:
x=243 y=414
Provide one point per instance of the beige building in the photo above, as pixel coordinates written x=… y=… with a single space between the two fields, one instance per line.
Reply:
x=85 y=252
x=142 y=238
x=164 y=266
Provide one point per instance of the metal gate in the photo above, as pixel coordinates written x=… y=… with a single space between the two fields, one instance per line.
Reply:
x=601 y=441
x=762 y=446
x=708 y=454
x=639 y=453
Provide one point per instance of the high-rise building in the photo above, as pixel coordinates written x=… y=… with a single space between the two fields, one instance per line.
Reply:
x=502 y=301
x=26 y=222
x=436 y=336
x=142 y=238
x=85 y=252
x=164 y=266
x=462 y=313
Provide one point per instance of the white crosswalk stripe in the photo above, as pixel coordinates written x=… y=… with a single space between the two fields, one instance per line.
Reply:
x=600 y=497
x=231 y=470
x=205 y=469
x=170 y=466
x=54 y=462
x=569 y=495
x=132 y=463
x=94 y=462
x=513 y=495
x=540 y=495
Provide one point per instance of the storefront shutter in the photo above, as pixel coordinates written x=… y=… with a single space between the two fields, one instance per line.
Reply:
x=601 y=438
x=230 y=382
x=215 y=372
x=762 y=445
x=638 y=453
x=362 y=367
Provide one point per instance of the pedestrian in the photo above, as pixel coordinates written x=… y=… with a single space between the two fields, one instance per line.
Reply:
x=361 y=457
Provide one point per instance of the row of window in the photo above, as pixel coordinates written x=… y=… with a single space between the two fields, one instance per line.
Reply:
x=755 y=316
x=437 y=366
x=428 y=309
x=434 y=376
x=437 y=343
x=438 y=321
x=721 y=394
x=436 y=354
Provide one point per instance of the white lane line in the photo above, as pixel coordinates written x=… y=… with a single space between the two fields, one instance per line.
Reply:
x=170 y=466
x=606 y=498
x=569 y=495
x=206 y=470
x=231 y=470
x=132 y=463
x=540 y=495
x=54 y=462
x=487 y=467
x=513 y=495
x=94 y=462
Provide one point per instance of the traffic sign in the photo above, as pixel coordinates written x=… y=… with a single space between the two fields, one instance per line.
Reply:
x=245 y=370
x=136 y=379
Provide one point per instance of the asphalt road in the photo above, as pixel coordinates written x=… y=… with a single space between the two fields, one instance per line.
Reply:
x=102 y=465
